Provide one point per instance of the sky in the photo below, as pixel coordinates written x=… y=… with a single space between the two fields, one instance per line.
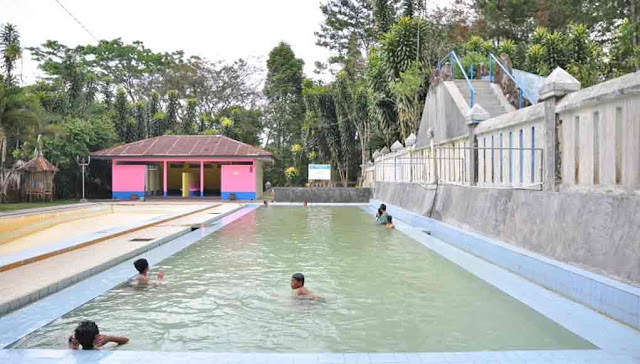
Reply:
x=214 y=29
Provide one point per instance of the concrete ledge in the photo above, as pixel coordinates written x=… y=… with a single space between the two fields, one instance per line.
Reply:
x=610 y=297
x=322 y=194
x=124 y=356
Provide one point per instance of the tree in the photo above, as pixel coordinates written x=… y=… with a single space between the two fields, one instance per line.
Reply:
x=345 y=20
x=283 y=89
x=122 y=117
x=407 y=90
x=190 y=117
x=141 y=120
x=10 y=48
x=173 y=108
x=384 y=14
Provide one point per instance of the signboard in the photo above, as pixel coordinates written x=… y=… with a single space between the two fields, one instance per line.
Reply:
x=319 y=172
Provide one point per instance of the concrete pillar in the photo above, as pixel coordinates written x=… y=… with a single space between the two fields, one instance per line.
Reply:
x=558 y=84
x=201 y=178
x=477 y=115
x=165 y=179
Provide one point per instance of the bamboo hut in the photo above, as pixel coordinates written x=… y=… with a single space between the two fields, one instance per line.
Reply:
x=36 y=178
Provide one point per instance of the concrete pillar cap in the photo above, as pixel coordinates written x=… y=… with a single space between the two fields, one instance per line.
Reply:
x=557 y=84
x=396 y=146
x=411 y=140
x=478 y=114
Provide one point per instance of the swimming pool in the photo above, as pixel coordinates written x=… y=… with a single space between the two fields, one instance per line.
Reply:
x=382 y=292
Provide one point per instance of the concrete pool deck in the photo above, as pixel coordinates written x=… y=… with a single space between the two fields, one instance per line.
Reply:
x=618 y=343
x=29 y=282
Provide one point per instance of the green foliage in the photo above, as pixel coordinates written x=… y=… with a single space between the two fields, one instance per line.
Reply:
x=507 y=47
x=625 y=55
x=170 y=123
x=572 y=50
x=283 y=89
x=345 y=20
x=123 y=120
x=191 y=117
x=9 y=49
x=407 y=91
x=384 y=14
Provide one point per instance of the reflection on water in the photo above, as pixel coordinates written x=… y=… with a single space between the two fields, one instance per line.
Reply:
x=382 y=292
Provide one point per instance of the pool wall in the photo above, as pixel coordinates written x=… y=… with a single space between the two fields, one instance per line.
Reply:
x=610 y=297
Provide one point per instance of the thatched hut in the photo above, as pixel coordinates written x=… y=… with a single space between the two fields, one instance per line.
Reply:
x=36 y=178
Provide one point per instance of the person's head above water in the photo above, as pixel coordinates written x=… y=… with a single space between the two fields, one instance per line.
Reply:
x=141 y=265
x=86 y=333
x=297 y=281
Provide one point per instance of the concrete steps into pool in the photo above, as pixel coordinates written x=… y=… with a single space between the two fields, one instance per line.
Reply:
x=33 y=278
x=80 y=228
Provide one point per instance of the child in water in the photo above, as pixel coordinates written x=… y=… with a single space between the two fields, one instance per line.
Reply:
x=299 y=290
x=142 y=266
x=88 y=336
x=383 y=217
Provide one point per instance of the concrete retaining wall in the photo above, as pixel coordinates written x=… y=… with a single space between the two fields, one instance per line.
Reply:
x=329 y=194
x=598 y=232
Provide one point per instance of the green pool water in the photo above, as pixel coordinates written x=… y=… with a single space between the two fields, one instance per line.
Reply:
x=381 y=292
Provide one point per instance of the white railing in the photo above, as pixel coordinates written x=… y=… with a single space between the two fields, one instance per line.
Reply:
x=518 y=166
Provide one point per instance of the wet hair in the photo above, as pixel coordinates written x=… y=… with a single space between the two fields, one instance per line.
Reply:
x=85 y=333
x=383 y=207
x=299 y=277
x=141 y=265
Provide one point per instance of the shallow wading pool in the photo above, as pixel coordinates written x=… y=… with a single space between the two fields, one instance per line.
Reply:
x=381 y=292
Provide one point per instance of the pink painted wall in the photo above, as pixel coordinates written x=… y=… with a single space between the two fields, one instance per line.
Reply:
x=128 y=177
x=238 y=178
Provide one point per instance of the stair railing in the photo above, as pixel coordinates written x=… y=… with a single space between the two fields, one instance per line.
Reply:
x=521 y=92
x=456 y=61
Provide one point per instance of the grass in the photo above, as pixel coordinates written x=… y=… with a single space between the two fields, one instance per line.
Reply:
x=6 y=207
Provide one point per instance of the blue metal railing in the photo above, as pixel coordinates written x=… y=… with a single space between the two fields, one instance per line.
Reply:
x=455 y=60
x=521 y=91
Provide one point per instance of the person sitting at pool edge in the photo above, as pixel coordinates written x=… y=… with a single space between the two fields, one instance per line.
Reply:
x=143 y=268
x=384 y=218
x=299 y=290
x=88 y=336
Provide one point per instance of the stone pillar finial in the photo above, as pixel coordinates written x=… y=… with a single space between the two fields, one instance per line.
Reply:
x=411 y=140
x=396 y=146
x=558 y=84
x=478 y=114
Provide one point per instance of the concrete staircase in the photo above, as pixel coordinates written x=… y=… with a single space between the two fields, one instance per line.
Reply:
x=484 y=96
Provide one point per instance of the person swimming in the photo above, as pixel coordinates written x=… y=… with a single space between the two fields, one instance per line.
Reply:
x=142 y=266
x=384 y=218
x=299 y=290
x=87 y=335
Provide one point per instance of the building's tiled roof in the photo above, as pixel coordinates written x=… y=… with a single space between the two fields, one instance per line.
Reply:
x=184 y=146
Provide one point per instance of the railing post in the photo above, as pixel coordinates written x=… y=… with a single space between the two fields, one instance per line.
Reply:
x=471 y=71
x=490 y=68
x=473 y=98
x=519 y=98
x=453 y=70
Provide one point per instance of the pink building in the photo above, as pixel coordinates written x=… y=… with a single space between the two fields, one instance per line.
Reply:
x=197 y=165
